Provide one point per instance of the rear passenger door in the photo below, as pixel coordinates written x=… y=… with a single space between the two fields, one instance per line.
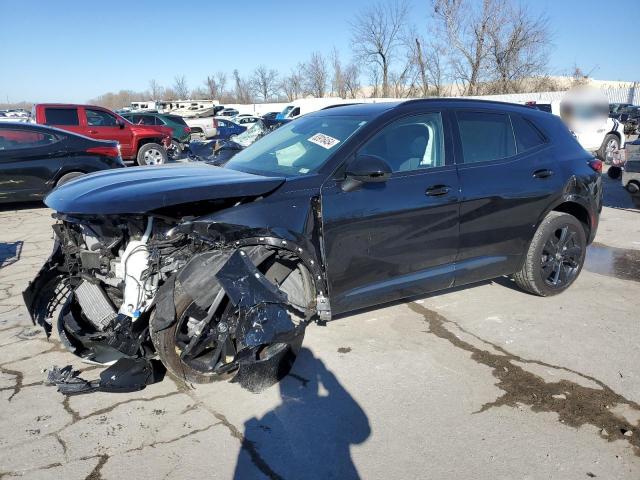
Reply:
x=507 y=179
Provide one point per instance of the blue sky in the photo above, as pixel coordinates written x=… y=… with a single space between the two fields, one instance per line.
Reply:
x=57 y=50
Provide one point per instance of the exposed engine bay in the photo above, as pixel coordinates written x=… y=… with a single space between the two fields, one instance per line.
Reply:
x=124 y=290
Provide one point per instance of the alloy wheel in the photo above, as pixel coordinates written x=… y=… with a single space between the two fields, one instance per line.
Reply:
x=561 y=257
x=153 y=156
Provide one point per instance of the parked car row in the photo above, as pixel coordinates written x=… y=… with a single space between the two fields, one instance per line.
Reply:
x=34 y=159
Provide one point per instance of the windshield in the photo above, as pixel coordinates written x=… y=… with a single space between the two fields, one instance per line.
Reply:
x=297 y=148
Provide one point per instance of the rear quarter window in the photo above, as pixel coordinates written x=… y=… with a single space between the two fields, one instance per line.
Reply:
x=61 y=116
x=177 y=119
x=16 y=138
x=527 y=134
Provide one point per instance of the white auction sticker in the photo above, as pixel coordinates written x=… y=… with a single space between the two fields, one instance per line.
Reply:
x=325 y=141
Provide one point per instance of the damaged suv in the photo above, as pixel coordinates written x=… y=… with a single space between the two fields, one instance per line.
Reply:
x=219 y=270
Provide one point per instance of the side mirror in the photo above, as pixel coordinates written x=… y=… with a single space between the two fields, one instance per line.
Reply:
x=120 y=123
x=369 y=168
x=366 y=169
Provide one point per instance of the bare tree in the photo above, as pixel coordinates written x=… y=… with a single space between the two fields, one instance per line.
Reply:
x=264 y=83
x=180 y=86
x=376 y=36
x=170 y=94
x=519 y=47
x=155 y=89
x=316 y=74
x=292 y=85
x=467 y=29
x=242 y=90
x=200 y=94
x=338 y=86
x=351 y=78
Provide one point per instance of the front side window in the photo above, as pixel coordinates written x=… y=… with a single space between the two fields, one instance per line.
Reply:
x=411 y=143
x=16 y=138
x=100 y=118
x=61 y=116
x=485 y=136
x=297 y=148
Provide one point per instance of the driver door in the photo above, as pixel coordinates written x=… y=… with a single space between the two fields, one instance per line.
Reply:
x=103 y=125
x=391 y=240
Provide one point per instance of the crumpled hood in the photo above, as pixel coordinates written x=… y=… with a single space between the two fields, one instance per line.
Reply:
x=137 y=190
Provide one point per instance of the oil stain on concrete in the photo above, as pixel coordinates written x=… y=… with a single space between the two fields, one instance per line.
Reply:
x=576 y=405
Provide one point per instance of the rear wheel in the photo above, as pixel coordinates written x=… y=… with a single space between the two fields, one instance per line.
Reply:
x=152 y=154
x=610 y=144
x=555 y=256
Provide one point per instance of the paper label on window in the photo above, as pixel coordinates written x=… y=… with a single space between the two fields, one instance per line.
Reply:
x=325 y=141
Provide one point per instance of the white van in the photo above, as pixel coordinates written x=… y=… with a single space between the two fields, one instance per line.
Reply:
x=307 y=105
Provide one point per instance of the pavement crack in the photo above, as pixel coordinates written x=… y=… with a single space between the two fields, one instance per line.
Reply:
x=246 y=444
x=96 y=473
x=574 y=404
x=19 y=377
x=173 y=440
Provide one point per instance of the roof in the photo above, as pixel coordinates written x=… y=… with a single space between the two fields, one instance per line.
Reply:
x=371 y=110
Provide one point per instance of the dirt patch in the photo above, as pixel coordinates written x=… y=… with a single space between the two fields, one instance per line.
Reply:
x=576 y=405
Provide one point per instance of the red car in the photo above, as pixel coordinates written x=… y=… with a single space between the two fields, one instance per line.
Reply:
x=143 y=143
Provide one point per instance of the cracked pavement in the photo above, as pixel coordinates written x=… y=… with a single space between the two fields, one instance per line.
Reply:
x=478 y=382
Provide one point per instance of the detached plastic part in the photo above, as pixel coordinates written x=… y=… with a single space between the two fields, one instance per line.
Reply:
x=126 y=375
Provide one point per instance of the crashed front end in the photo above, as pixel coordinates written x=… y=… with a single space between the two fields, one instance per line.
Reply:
x=127 y=290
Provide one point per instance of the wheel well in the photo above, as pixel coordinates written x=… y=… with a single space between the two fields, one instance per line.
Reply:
x=67 y=173
x=577 y=211
x=144 y=141
x=617 y=134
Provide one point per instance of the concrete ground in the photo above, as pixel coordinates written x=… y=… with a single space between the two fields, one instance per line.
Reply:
x=484 y=382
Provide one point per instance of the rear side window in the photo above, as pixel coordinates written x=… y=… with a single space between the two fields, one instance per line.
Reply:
x=61 y=116
x=16 y=138
x=177 y=119
x=527 y=135
x=485 y=136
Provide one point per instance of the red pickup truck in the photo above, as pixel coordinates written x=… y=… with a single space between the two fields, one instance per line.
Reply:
x=143 y=143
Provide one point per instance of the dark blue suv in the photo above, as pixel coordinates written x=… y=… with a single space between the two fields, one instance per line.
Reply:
x=348 y=207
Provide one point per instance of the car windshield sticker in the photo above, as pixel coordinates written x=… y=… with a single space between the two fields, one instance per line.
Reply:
x=325 y=141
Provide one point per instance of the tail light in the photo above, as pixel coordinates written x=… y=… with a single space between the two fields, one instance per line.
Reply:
x=187 y=129
x=105 y=151
x=596 y=165
x=215 y=123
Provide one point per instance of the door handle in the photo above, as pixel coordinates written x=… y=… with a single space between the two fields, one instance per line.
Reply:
x=544 y=173
x=437 y=190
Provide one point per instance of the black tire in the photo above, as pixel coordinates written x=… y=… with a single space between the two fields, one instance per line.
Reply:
x=614 y=172
x=68 y=177
x=165 y=343
x=152 y=154
x=610 y=141
x=176 y=150
x=541 y=267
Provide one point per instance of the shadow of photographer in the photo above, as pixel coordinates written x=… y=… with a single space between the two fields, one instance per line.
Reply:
x=310 y=433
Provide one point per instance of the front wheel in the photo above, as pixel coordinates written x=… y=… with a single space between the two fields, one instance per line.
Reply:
x=175 y=151
x=214 y=343
x=152 y=154
x=555 y=256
